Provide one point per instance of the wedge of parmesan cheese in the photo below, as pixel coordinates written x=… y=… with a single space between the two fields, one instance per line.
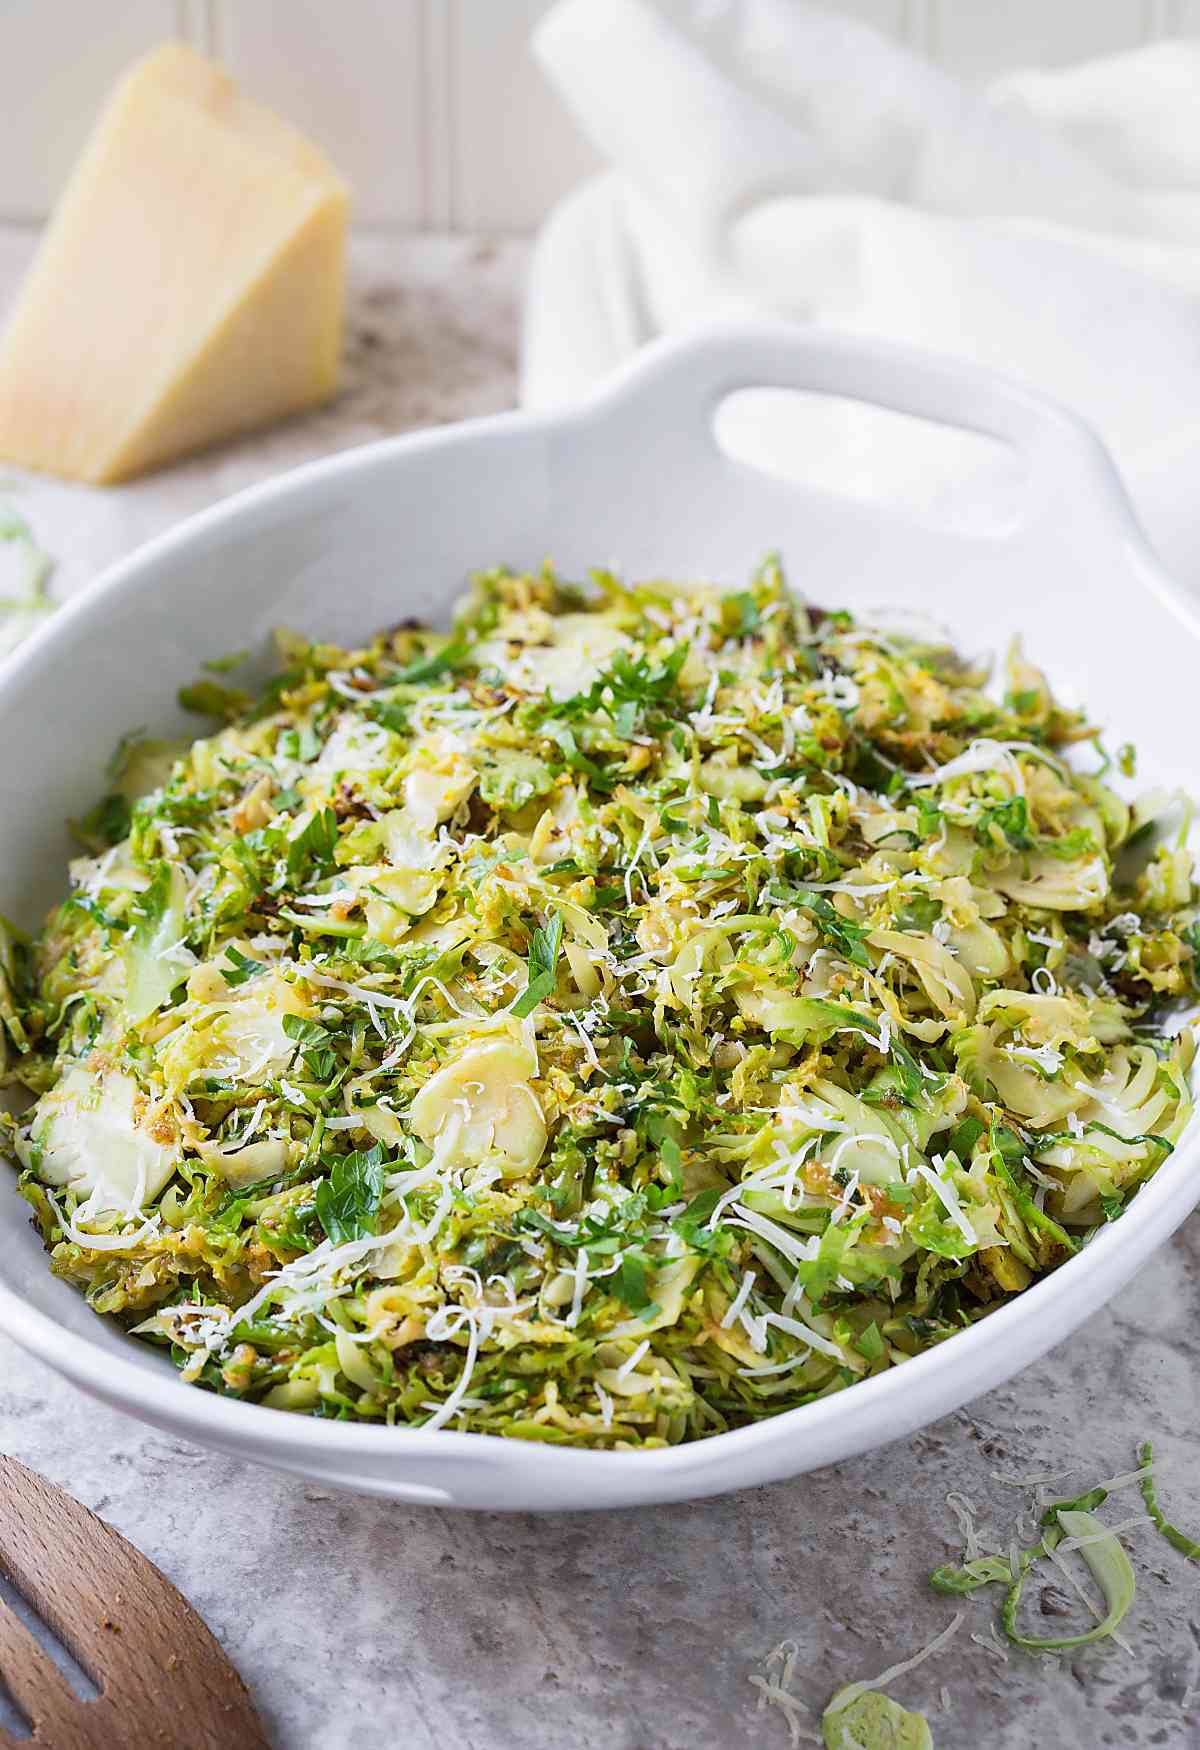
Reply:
x=189 y=285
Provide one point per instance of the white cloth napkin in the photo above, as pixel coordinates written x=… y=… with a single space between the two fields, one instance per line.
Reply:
x=768 y=156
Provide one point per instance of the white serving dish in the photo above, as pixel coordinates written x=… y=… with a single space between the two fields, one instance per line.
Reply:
x=633 y=478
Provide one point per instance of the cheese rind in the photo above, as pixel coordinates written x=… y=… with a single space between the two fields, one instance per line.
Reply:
x=190 y=285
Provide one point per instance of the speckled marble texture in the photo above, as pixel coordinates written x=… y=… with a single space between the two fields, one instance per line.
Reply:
x=367 y=1625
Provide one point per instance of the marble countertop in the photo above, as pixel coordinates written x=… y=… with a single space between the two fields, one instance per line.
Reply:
x=361 y=1624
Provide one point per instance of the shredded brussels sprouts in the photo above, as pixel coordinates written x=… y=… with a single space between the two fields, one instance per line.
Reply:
x=635 y=1013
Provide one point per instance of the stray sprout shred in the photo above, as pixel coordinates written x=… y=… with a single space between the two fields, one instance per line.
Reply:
x=860 y=1717
x=1187 y=1546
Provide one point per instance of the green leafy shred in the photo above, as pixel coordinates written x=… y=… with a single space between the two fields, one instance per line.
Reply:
x=1187 y=1546
x=213 y=699
x=24 y=599
x=347 y=1202
x=156 y=960
x=543 y=966
x=1098 y=1544
x=237 y=967
x=1110 y=1566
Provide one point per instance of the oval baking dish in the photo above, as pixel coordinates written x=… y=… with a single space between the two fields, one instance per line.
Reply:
x=636 y=479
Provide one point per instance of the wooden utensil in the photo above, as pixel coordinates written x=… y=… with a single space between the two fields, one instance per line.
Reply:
x=164 y=1682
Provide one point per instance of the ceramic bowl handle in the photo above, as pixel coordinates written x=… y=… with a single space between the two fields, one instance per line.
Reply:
x=672 y=389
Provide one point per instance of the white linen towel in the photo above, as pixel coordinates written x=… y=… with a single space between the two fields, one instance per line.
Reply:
x=769 y=156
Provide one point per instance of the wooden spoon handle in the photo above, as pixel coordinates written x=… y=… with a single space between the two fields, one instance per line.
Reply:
x=163 y=1677
x=34 y=1681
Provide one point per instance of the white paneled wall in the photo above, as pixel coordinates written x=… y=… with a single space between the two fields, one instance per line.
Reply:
x=353 y=74
x=513 y=150
x=433 y=108
x=55 y=71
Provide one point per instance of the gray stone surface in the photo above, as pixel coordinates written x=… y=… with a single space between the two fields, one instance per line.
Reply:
x=367 y=1625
